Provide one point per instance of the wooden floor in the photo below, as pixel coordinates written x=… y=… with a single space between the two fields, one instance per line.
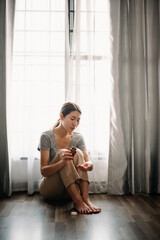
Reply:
x=25 y=217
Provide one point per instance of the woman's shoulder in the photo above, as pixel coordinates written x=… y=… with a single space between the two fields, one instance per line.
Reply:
x=48 y=133
x=46 y=140
x=77 y=136
x=78 y=140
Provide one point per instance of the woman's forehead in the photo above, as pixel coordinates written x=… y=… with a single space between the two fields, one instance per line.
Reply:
x=75 y=114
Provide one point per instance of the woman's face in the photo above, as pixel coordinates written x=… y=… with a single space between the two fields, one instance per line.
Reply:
x=71 y=121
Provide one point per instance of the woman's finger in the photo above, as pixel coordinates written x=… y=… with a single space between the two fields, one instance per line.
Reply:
x=67 y=155
x=81 y=167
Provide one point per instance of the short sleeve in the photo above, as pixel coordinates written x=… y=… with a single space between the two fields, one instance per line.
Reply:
x=81 y=144
x=44 y=142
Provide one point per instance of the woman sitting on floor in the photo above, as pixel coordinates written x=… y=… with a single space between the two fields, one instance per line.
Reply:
x=64 y=170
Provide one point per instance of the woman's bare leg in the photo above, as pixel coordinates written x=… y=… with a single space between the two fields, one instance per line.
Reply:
x=78 y=202
x=85 y=196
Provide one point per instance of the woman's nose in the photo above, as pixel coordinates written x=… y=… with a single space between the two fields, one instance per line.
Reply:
x=75 y=124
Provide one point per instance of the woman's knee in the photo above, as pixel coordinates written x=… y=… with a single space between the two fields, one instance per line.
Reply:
x=79 y=152
x=79 y=157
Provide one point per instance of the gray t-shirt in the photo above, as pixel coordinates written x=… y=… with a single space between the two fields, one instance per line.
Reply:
x=48 y=142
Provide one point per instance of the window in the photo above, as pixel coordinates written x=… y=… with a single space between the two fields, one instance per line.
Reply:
x=38 y=87
x=38 y=70
x=39 y=76
x=71 y=15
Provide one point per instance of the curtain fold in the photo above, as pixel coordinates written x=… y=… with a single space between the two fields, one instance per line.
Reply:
x=7 y=9
x=134 y=137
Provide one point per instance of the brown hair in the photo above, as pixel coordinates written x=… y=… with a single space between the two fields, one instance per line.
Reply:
x=66 y=109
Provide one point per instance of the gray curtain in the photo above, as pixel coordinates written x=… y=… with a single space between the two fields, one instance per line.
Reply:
x=134 y=160
x=7 y=9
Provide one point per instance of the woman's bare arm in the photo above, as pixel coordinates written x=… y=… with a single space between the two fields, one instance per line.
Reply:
x=46 y=168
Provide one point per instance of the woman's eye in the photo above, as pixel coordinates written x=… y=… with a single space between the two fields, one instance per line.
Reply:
x=74 y=119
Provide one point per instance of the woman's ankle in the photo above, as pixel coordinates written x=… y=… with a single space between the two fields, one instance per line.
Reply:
x=74 y=193
x=85 y=197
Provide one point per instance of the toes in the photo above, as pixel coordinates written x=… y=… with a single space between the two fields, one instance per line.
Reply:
x=86 y=211
x=96 y=210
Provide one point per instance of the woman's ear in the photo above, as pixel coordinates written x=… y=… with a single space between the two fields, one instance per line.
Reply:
x=61 y=116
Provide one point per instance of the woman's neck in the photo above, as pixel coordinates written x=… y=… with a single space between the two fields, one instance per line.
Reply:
x=60 y=131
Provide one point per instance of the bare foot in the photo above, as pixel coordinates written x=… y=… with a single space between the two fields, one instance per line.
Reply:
x=93 y=207
x=82 y=207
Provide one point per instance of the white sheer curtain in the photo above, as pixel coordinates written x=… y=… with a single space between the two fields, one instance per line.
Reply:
x=88 y=82
x=37 y=84
x=45 y=76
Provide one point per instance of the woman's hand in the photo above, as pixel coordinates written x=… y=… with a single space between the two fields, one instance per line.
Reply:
x=67 y=156
x=87 y=166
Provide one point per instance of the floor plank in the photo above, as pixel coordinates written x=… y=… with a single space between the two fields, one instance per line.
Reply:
x=122 y=218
